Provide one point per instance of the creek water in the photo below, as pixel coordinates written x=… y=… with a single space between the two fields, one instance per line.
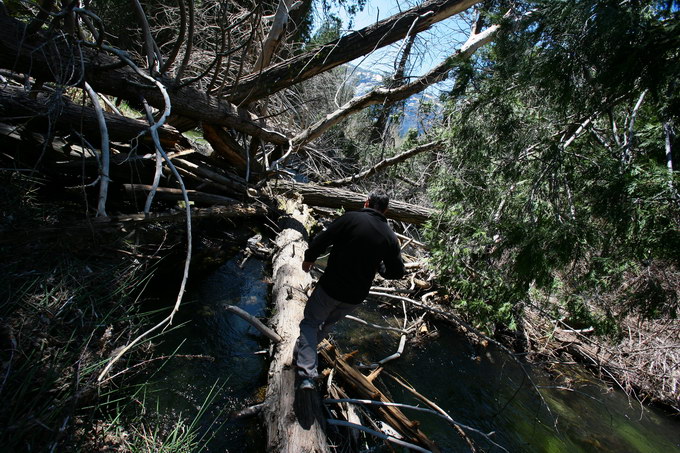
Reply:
x=479 y=387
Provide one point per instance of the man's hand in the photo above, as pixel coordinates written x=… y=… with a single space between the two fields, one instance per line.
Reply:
x=307 y=265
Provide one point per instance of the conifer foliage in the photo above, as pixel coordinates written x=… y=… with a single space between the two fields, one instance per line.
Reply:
x=562 y=175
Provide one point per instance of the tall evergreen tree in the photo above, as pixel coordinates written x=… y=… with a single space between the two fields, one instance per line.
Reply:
x=558 y=177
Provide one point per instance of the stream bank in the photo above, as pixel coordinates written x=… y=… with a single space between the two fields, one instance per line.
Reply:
x=217 y=368
x=478 y=386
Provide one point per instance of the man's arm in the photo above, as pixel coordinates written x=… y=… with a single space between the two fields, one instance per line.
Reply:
x=392 y=266
x=321 y=242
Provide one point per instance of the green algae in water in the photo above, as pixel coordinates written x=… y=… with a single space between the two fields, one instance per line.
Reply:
x=637 y=439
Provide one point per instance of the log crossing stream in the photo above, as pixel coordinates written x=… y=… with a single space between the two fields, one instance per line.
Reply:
x=479 y=387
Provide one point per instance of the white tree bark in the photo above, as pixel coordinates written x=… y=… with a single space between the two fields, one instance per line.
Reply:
x=276 y=33
x=105 y=160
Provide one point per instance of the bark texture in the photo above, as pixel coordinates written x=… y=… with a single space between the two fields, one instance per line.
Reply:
x=66 y=115
x=293 y=425
x=316 y=195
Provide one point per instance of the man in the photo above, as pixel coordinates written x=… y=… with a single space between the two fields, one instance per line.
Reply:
x=363 y=244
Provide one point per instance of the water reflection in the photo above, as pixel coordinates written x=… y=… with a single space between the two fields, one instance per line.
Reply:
x=483 y=388
x=480 y=387
x=238 y=368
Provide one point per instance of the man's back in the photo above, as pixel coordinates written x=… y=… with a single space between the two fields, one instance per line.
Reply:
x=362 y=241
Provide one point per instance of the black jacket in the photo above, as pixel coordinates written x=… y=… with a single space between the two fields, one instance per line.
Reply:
x=363 y=244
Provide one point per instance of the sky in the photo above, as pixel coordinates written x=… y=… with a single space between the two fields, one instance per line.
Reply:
x=432 y=46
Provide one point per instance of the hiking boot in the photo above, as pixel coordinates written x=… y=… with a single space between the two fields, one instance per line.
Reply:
x=307 y=384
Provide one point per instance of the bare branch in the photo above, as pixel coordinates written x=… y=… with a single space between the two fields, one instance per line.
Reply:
x=276 y=33
x=180 y=37
x=386 y=163
x=381 y=95
x=154 y=134
x=159 y=165
x=668 y=134
x=628 y=143
x=375 y=326
x=378 y=434
x=252 y=320
x=345 y=49
x=104 y=182
x=190 y=44
x=440 y=414
x=152 y=58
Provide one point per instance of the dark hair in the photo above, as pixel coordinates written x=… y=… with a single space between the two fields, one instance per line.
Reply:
x=378 y=200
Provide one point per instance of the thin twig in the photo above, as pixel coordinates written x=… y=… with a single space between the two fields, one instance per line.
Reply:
x=415 y=408
x=377 y=434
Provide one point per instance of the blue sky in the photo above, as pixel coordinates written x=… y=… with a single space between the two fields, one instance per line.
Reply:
x=431 y=48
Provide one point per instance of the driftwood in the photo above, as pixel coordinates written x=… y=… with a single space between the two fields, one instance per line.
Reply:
x=315 y=195
x=253 y=321
x=366 y=390
x=292 y=424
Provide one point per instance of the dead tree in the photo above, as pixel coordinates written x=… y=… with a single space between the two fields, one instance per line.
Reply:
x=317 y=195
x=238 y=79
x=285 y=432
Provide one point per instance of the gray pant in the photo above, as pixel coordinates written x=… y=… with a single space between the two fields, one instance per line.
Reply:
x=321 y=312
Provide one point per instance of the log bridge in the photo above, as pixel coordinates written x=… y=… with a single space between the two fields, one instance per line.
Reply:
x=295 y=420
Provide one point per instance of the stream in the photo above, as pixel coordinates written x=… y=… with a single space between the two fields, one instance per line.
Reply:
x=479 y=387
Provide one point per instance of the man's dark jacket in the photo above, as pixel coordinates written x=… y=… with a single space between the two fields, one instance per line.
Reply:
x=363 y=244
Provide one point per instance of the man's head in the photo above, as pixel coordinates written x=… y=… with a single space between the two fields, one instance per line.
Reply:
x=378 y=200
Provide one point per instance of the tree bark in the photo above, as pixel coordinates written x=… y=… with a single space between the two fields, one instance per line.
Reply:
x=285 y=431
x=57 y=232
x=275 y=34
x=31 y=55
x=15 y=103
x=166 y=193
x=351 y=201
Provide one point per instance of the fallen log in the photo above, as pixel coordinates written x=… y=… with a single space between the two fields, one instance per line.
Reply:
x=128 y=221
x=286 y=431
x=167 y=193
x=316 y=195
x=15 y=103
x=202 y=171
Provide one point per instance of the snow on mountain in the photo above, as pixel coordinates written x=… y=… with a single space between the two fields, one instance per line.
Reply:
x=365 y=80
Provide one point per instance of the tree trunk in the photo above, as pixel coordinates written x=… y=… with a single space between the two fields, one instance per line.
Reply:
x=351 y=201
x=29 y=55
x=287 y=430
x=167 y=193
x=15 y=103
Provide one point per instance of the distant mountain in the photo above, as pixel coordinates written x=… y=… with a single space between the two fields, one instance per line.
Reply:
x=365 y=80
